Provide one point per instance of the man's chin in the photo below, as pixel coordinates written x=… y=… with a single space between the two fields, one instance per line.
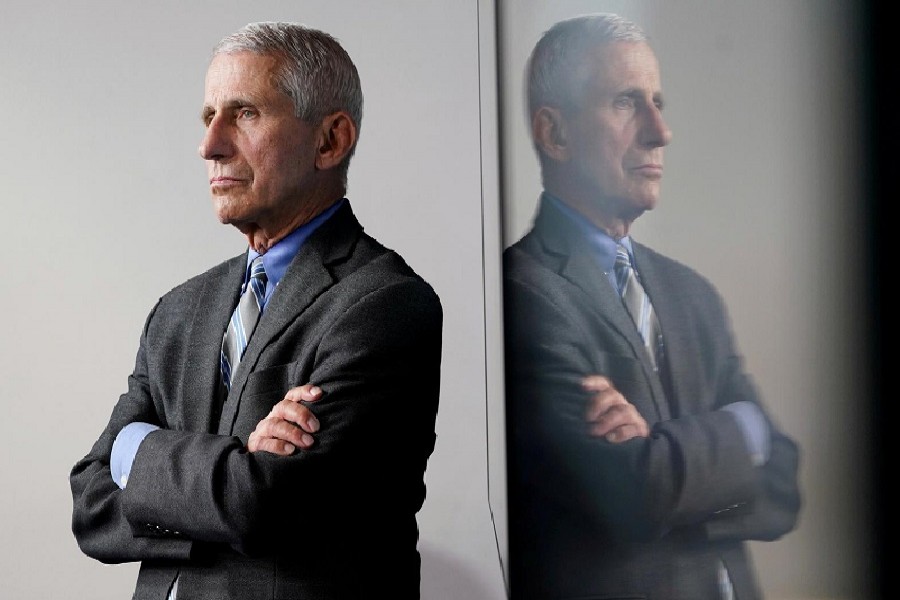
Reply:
x=635 y=203
x=645 y=200
x=242 y=225
x=227 y=210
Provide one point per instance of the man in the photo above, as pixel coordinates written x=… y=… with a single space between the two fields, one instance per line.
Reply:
x=641 y=458
x=218 y=470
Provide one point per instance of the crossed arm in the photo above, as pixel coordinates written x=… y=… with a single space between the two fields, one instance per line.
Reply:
x=189 y=487
x=583 y=432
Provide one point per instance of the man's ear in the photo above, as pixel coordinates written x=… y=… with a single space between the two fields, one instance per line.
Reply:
x=337 y=135
x=550 y=134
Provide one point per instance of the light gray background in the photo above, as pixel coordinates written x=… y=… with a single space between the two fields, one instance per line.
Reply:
x=106 y=207
x=761 y=194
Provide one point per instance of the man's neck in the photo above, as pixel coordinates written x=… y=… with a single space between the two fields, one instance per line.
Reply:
x=262 y=236
x=616 y=227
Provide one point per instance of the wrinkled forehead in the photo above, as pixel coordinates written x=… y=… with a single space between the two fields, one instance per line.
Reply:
x=612 y=66
x=241 y=74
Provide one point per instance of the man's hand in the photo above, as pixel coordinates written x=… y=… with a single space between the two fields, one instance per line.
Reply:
x=610 y=415
x=289 y=424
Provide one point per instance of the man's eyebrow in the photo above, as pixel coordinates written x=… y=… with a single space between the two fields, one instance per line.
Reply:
x=639 y=92
x=633 y=93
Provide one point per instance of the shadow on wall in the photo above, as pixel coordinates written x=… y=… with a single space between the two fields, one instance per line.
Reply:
x=446 y=578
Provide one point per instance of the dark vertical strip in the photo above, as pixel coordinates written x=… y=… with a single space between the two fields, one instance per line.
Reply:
x=499 y=12
x=880 y=74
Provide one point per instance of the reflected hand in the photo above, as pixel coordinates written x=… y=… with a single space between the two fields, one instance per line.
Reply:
x=609 y=414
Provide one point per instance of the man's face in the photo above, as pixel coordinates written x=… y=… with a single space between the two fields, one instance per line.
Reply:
x=259 y=156
x=616 y=135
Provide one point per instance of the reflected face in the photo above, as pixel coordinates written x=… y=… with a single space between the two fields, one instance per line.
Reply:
x=616 y=135
x=260 y=157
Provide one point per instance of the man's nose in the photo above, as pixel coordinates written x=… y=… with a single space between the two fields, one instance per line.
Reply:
x=655 y=132
x=216 y=143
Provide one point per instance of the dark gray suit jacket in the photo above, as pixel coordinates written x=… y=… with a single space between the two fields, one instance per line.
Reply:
x=336 y=521
x=651 y=517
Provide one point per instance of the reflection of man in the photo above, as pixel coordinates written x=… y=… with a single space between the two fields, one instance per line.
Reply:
x=640 y=464
x=209 y=472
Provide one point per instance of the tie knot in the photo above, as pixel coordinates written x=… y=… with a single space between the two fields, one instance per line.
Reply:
x=623 y=259
x=257 y=269
x=623 y=269
x=258 y=281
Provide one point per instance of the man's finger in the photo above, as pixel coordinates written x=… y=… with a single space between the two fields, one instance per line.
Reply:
x=602 y=402
x=620 y=416
x=608 y=421
x=596 y=383
x=275 y=427
x=304 y=393
x=599 y=405
x=271 y=445
x=296 y=413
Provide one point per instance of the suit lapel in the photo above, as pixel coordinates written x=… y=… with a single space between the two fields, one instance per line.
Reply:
x=582 y=271
x=568 y=253
x=202 y=381
x=306 y=279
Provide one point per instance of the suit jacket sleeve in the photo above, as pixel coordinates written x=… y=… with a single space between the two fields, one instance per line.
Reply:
x=98 y=521
x=692 y=475
x=378 y=364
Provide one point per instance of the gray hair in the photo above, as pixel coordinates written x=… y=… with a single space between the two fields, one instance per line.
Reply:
x=557 y=71
x=314 y=69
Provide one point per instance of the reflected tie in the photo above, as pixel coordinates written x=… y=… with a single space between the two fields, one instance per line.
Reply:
x=243 y=320
x=637 y=303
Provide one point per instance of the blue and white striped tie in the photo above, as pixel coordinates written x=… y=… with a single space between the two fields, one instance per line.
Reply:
x=637 y=302
x=243 y=320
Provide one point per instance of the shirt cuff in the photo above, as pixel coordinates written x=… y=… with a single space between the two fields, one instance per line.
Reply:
x=755 y=428
x=125 y=448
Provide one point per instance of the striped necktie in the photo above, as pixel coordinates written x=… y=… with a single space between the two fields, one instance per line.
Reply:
x=637 y=303
x=243 y=320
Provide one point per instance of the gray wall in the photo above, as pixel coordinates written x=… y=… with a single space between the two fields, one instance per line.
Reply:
x=762 y=195
x=104 y=196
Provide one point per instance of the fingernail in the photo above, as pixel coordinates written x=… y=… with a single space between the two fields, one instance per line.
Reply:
x=315 y=390
x=307 y=439
x=289 y=448
x=314 y=424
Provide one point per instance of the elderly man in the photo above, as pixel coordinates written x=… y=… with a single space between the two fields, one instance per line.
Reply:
x=222 y=469
x=641 y=459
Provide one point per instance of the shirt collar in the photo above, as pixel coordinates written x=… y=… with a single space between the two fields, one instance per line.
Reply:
x=602 y=244
x=277 y=259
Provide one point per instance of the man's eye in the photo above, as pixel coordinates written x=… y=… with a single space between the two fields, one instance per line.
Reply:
x=247 y=113
x=624 y=102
